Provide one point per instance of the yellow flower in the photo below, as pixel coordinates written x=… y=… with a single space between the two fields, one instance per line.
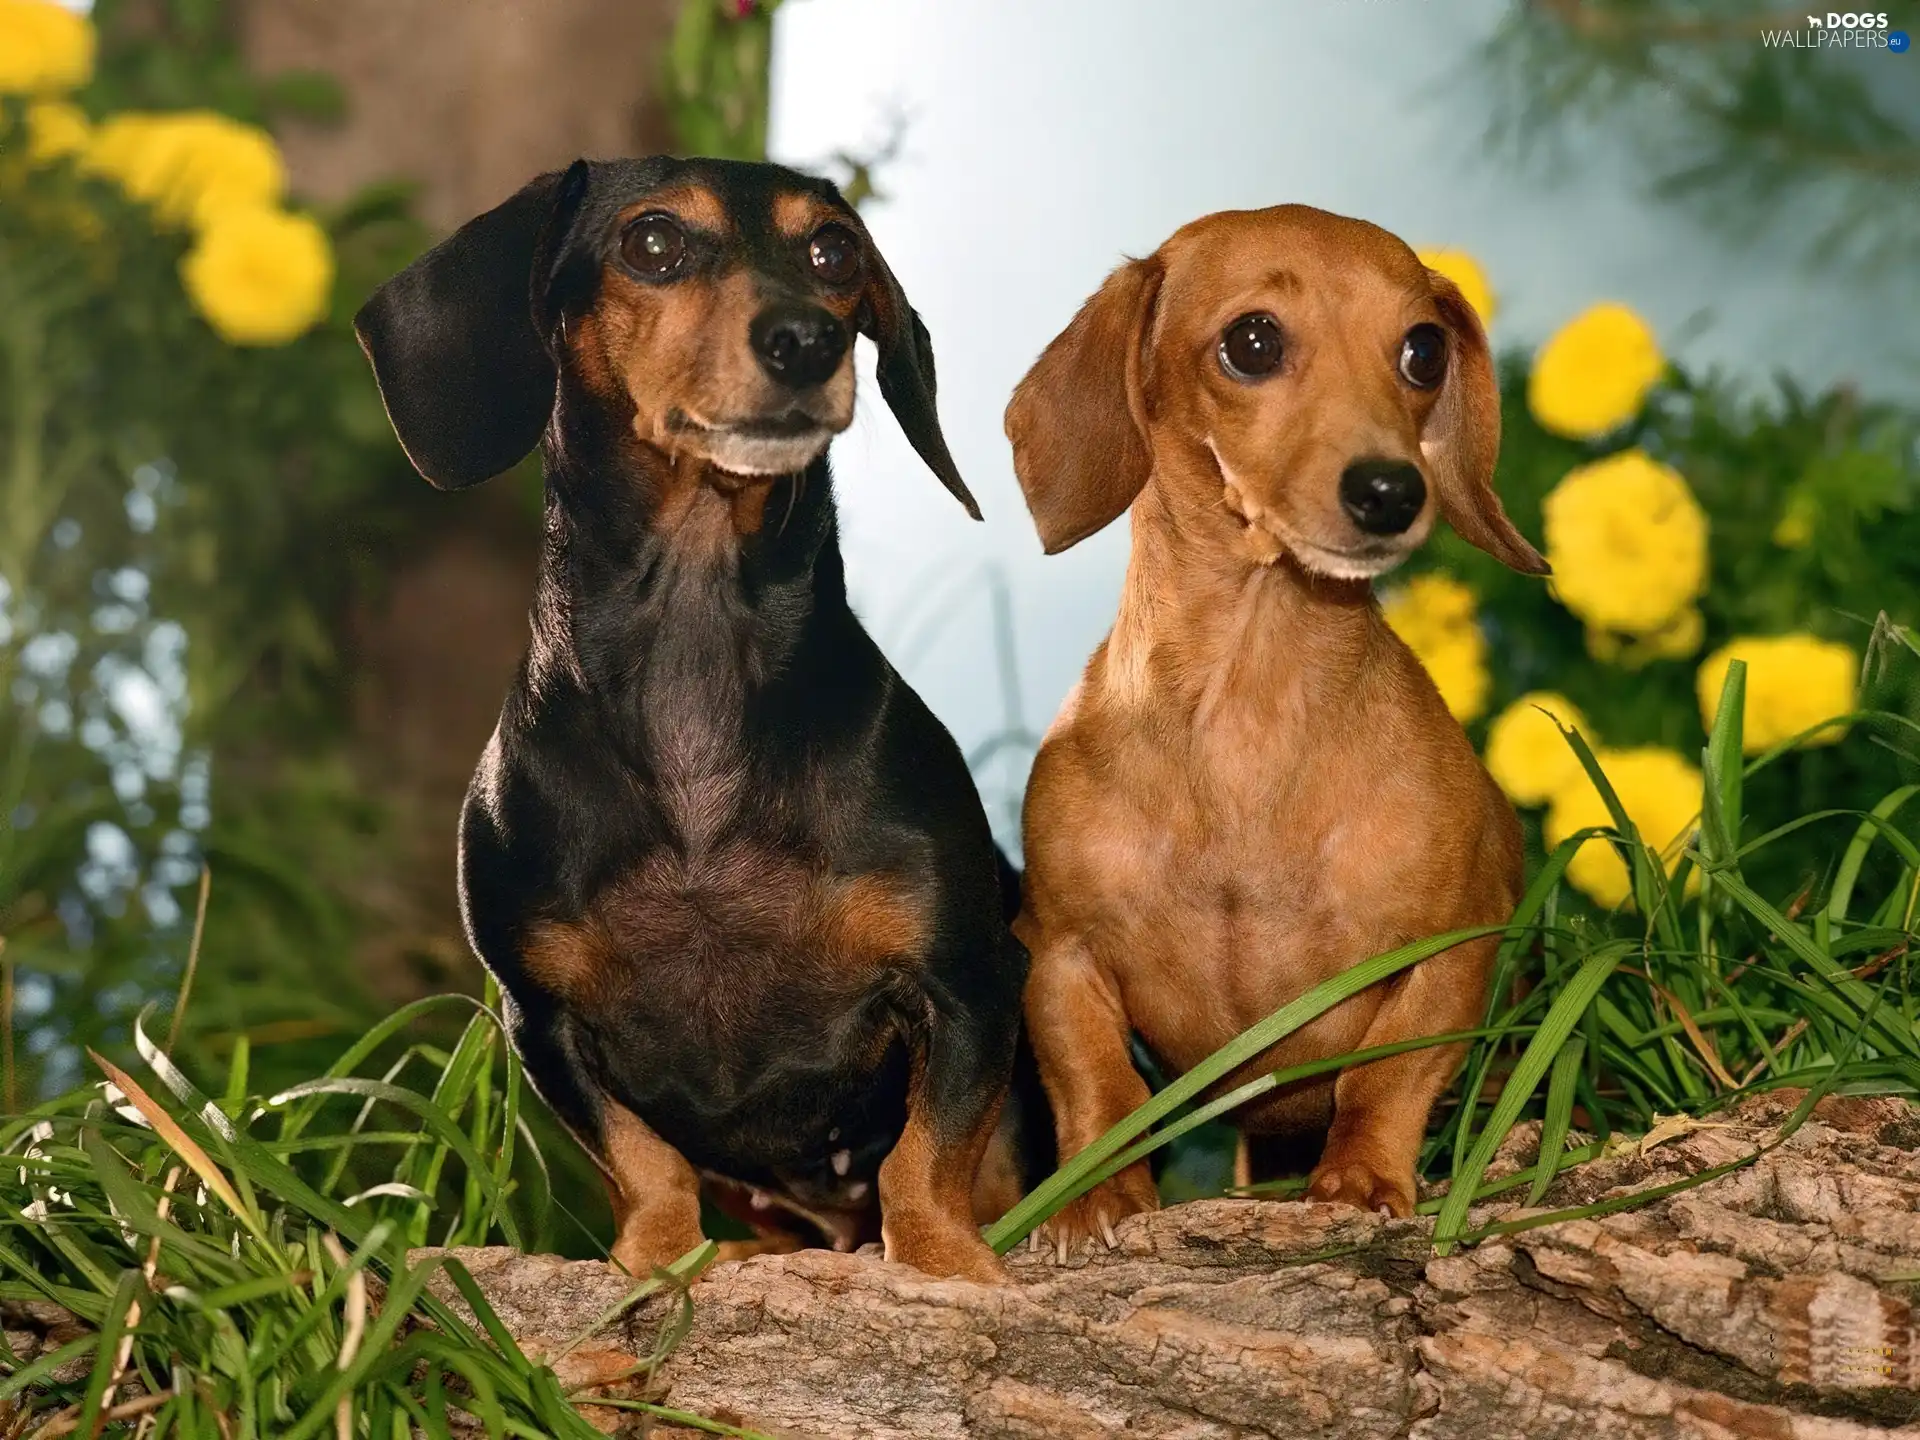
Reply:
x=1628 y=544
x=44 y=48
x=1593 y=374
x=1795 y=529
x=1464 y=271
x=1793 y=682
x=1676 y=640
x=1659 y=791
x=1680 y=637
x=1434 y=615
x=55 y=129
x=259 y=276
x=1527 y=755
x=191 y=164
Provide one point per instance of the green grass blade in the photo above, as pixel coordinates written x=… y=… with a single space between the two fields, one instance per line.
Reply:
x=436 y=1119
x=1523 y=928
x=1559 y=1117
x=1561 y=1018
x=1074 y=1177
x=1848 y=875
x=131 y=1289
x=1720 y=821
x=1259 y=1086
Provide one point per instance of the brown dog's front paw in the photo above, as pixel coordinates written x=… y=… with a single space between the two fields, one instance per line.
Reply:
x=642 y=1248
x=1339 y=1182
x=1092 y=1217
x=957 y=1256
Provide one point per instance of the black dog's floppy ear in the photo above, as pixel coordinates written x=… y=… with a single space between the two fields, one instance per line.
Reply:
x=906 y=374
x=462 y=369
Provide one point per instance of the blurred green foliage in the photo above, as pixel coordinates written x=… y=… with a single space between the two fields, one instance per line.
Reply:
x=1755 y=136
x=715 y=75
x=181 y=525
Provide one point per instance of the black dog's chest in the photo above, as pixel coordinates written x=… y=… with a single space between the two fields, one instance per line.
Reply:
x=752 y=1006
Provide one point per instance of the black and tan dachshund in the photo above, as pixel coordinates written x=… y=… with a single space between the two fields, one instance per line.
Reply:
x=732 y=875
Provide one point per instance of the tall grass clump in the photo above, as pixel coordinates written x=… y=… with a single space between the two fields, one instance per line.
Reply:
x=242 y=1260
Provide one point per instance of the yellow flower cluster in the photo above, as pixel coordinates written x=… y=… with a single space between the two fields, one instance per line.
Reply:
x=1434 y=614
x=1593 y=374
x=44 y=48
x=1628 y=545
x=189 y=165
x=1527 y=755
x=1465 y=272
x=1659 y=791
x=259 y=274
x=1676 y=640
x=1793 y=683
x=1533 y=763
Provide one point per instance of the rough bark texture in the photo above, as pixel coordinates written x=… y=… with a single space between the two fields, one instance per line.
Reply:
x=1776 y=1302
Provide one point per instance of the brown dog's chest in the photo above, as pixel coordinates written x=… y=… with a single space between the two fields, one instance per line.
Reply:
x=1219 y=880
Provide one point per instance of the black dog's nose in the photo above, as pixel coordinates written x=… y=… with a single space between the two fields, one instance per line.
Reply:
x=798 y=345
x=1383 y=497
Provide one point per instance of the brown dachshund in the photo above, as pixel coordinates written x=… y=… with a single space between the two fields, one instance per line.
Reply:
x=1255 y=785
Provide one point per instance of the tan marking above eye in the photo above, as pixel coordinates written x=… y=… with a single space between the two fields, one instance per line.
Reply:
x=797 y=216
x=694 y=206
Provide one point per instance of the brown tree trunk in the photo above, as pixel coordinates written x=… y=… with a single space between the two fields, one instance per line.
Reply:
x=1774 y=1302
x=472 y=98
x=469 y=98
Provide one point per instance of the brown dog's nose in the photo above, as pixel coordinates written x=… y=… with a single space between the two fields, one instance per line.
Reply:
x=1382 y=497
x=798 y=345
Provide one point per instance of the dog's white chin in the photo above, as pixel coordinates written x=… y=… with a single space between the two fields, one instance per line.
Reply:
x=1336 y=566
x=763 y=455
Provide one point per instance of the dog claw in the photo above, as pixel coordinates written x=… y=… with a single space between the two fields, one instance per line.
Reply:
x=1106 y=1234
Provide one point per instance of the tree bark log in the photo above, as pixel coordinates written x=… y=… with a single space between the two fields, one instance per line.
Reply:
x=1774 y=1302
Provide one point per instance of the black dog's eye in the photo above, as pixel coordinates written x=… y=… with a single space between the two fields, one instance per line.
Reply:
x=834 y=254
x=1423 y=356
x=1251 y=347
x=654 y=246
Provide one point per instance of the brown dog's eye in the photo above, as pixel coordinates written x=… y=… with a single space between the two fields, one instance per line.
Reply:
x=834 y=254
x=1251 y=347
x=1423 y=356
x=654 y=246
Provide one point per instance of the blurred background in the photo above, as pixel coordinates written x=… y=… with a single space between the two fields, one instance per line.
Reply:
x=248 y=658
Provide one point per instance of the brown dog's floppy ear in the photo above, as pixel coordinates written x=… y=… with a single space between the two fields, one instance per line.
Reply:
x=906 y=375
x=1078 y=420
x=462 y=369
x=1462 y=442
